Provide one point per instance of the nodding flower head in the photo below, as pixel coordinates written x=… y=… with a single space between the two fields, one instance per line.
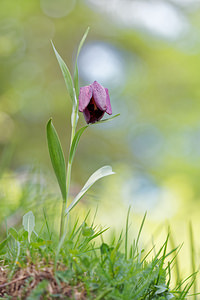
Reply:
x=94 y=101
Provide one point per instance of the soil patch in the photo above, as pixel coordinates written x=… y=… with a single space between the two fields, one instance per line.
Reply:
x=26 y=280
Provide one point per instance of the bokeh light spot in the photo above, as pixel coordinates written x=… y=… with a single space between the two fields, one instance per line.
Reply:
x=11 y=39
x=102 y=62
x=159 y=18
x=58 y=8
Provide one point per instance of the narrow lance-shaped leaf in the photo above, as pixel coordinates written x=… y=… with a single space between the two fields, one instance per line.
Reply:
x=75 y=142
x=76 y=82
x=102 y=172
x=29 y=223
x=66 y=74
x=106 y=120
x=57 y=157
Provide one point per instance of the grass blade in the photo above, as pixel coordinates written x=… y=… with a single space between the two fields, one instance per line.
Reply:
x=193 y=259
x=47 y=224
x=177 y=268
x=126 y=234
x=16 y=260
x=135 y=244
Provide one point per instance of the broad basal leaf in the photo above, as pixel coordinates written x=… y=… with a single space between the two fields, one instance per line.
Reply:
x=29 y=223
x=57 y=157
x=66 y=74
x=102 y=172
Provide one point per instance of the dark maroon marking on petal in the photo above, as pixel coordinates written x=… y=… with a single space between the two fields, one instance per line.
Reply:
x=86 y=114
x=92 y=113
x=96 y=115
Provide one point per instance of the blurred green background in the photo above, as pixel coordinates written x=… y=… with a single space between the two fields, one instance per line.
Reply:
x=147 y=53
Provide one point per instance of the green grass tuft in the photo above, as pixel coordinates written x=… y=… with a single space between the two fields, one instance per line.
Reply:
x=83 y=264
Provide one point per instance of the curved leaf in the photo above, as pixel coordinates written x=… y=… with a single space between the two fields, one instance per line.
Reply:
x=106 y=120
x=100 y=173
x=75 y=142
x=57 y=157
x=66 y=73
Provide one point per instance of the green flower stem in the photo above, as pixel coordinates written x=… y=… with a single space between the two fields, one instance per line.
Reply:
x=69 y=168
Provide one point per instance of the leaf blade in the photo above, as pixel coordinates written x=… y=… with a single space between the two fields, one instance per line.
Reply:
x=29 y=223
x=76 y=82
x=66 y=73
x=100 y=173
x=75 y=142
x=57 y=157
x=105 y=120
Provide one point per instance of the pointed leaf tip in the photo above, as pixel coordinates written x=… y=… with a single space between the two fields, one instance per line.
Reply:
x=105 y=120
x=66 y=73
x=29 y=223
x=100 y=173
x=76 y=79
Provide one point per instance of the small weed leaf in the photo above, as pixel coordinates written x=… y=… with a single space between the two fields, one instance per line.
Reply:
x=29 y=223
x=40 y=244
x=170 y=296
x=160 y=289
x=23 y=235
x=86 y=230
x=104 y=249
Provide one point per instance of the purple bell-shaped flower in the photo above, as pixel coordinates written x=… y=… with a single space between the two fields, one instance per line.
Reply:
x=94 y=101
